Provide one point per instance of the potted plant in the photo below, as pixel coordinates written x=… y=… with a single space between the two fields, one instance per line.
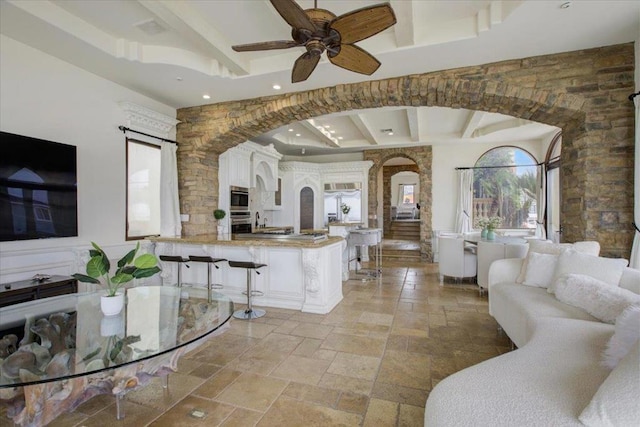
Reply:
x=128 y=268
x=482 y=224
x=219 y=214
x=345 y=211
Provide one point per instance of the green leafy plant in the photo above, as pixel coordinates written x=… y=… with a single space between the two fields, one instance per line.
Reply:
x=345 y=208
x=219 y=214
x=493 y=222
x=129 y=268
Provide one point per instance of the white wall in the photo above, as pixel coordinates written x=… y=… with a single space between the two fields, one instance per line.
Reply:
x=46 y=98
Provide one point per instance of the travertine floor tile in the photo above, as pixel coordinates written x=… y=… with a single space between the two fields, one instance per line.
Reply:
x=302 y=369
x=344 y=383
x=313 y=394
x=287 y=412
x=381 y=413
x=179 y=416
x=241 y=417
x=251 y=391
x=155 y=395
x=365 y=346
x=311 y=330
x=411 y=416
x=355 y=366
x=405 y=369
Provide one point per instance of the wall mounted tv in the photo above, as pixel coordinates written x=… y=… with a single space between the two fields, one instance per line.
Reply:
x=38 y=191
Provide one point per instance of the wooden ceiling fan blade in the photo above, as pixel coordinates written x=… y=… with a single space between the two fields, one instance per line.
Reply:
x=303 y=67
x=277 y=44
x=355 y=59
x=363 y=23
x=293 y=14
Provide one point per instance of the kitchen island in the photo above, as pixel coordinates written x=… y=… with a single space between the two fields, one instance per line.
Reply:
x=302 y=273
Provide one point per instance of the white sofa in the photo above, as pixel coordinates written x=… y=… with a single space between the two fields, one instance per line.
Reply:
x=555 y=373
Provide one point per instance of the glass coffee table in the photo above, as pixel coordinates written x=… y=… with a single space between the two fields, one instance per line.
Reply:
x=57 y=353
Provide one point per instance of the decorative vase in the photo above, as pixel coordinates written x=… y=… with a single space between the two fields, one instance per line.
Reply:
x=345 y=217
x=491 y=235
x=483 y=234
x=111 y=306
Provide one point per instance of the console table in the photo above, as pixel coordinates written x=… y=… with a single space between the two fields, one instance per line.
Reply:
x=73 y=352
x=28 y=290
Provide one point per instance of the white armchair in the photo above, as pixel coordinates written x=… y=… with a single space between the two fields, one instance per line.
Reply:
x=489 y=252
x=454 y=260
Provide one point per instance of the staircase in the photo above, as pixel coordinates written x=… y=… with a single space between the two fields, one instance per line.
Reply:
x=404 y=230
x=402 y=241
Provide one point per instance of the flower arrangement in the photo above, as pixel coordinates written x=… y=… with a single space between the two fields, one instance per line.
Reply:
x=129 y=268
x=493 y=222
x=489 y=223
x=345 y=208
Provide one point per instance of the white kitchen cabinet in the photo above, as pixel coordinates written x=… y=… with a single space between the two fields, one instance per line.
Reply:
x=239 y=167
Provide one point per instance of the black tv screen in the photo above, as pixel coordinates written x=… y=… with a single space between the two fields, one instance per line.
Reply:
x=38 y=191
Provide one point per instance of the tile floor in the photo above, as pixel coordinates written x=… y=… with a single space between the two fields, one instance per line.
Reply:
x=370 y=362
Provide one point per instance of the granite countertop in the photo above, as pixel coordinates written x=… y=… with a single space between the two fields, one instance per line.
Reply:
x=225 y=240
x=345 y=224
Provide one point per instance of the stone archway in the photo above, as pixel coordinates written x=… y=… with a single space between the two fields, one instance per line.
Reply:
x=387 y=175
x=583 y=93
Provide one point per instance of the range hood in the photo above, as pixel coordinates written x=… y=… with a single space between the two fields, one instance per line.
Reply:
x=341 y=186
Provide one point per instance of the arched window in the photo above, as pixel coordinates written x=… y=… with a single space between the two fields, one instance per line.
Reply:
x=504 y=186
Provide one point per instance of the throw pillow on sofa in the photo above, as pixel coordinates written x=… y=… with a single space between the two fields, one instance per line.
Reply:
x=540 y=269
x=626 y=335
x=599 y=299
x=616 y=401
x=540 y=247
x=608 y=270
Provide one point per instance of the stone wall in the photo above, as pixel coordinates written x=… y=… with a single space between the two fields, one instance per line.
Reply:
x=582 y=92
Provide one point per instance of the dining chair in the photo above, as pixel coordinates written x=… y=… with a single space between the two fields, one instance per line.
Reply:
x=454 y=259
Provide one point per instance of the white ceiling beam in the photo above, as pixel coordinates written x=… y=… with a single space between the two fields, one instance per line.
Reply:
x=190 y=24
x=325 y=136
x=473 y=120
x=403 y=30
x=414 y=123
x=500 y=126
x=366 y=131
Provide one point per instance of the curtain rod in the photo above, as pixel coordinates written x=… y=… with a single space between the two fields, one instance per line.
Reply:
x=124 y=130
x=633 y=95
x=497 y=167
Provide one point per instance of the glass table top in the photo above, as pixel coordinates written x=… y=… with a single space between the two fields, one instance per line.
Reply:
x=68 y=336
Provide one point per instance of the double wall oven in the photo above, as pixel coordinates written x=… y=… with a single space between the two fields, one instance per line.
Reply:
x=239 y=210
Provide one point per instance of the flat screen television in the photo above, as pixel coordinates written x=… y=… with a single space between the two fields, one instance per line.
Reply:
x=38 y=188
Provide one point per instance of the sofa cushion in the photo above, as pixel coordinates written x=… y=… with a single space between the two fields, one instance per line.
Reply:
x=601 y=300
x=548 y=382
x=608 y=270
x=516 y=308
x=627 y=334
x=616 y=401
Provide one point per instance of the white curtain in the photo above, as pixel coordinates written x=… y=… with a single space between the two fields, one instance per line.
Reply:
x=170 y=225
x=465 y=200
x=541 y=200
x=635 y=249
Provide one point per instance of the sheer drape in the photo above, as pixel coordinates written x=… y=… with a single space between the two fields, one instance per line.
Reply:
x=541 y=200
x=465 y=200
x=170 y=225
x=635 y=249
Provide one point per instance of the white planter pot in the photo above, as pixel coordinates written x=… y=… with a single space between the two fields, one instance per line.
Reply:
x=111 y=306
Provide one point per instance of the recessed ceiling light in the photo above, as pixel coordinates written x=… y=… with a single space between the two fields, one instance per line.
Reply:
x=332 y=131
x=205 y=96
x=302 y=151
x=390 y=134
x=327 y=126
x=340 y=137
x=297 y=134
x=277 y=87
x=290 y=130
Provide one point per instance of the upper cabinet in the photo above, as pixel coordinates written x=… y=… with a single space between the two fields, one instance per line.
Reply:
x=249 y=165
x=264 y=164
x=239 y=167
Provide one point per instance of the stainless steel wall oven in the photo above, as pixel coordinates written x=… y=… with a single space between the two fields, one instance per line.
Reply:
x=239 y=199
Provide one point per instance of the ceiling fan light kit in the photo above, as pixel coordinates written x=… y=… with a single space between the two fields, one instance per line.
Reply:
x=319 y=30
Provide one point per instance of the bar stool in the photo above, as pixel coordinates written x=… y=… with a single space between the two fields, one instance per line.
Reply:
x=210 y=261
x=250 y=312
x=180 y=260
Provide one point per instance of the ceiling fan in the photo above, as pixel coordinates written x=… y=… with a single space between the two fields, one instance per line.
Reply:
x=319 y=30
